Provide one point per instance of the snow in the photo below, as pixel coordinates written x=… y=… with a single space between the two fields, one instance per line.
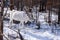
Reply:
x=29 y=32
x=33 y=34
x=54 y=18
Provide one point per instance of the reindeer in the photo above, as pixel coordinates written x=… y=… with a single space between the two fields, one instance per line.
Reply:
x=18 y=16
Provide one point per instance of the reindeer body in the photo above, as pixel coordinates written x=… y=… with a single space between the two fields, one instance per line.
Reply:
x=18 y=16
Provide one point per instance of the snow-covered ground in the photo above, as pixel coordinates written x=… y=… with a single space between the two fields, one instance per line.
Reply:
x=30 y=33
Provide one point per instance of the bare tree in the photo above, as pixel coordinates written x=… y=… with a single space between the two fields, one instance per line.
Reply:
x=1 y=19
x=59 y=15
x=22 y=5
x=11 y=4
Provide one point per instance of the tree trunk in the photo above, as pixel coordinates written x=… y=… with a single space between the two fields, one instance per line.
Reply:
x=49 y=17
x=17 y=4
x=1 y=27
x=59 y=16
x=21 y=5
x=1 y=19
x=11 y=4
x=40 y=7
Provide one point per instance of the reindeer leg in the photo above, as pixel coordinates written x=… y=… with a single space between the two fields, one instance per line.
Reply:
x=10 y=23
x=20 y=26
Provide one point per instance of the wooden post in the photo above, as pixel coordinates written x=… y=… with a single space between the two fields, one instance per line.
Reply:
x=1 y=19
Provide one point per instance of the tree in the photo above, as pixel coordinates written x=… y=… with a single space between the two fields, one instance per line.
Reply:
x=1 y=19
x=21 y=5
x=43 y=5
x=59 y=15
x=11 y=4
